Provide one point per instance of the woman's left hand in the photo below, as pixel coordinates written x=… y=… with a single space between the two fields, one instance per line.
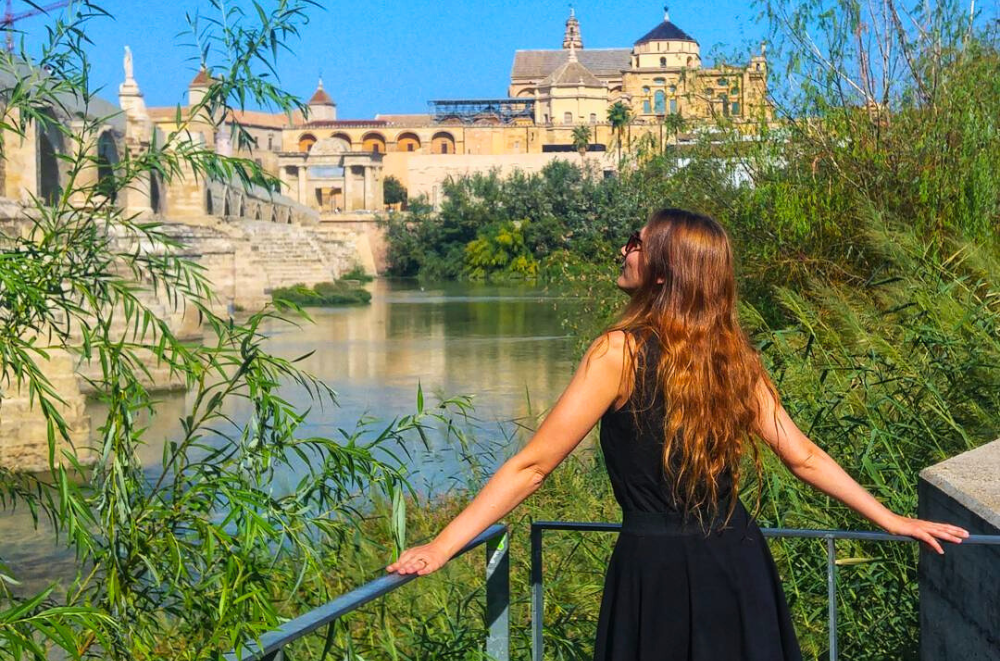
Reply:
x=420 y=560
x=927 y=532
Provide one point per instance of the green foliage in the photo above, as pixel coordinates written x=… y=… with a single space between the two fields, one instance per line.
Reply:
x=185 y=559
x=581 y=138
x=889 y=377
x=323 y=294
x=394 y=192
x=561 y=208
x=356 y=274
x=500 y=251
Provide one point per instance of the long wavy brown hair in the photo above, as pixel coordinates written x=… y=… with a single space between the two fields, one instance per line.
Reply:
x=708 y=372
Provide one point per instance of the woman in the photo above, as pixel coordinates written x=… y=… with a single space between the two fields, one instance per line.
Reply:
x=682 y=397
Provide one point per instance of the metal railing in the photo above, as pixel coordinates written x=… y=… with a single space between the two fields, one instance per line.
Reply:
x=537 y=596
x=271 y=645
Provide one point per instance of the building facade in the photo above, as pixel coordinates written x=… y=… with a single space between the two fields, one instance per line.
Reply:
x=337 y=166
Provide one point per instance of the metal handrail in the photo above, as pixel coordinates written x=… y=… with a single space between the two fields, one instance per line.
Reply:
x=270 y=646
x=537 y=596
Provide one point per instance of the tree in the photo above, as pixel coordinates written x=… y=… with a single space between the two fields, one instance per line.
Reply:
x=581 y=139
x=184 y=559
x=619 y=116
x=675 y=123
x=393 y=191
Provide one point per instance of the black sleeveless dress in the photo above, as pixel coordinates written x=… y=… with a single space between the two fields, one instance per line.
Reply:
x=671 y=593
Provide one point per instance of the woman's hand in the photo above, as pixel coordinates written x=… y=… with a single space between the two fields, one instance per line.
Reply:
x=420 y=560
x=926 y=531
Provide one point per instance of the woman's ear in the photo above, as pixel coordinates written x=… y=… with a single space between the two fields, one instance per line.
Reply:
x=660 y=280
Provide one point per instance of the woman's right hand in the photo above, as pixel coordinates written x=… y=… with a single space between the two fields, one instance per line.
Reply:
x=927 y=532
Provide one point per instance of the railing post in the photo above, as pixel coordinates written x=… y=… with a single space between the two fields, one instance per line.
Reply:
x=537 y=597
x=498 y=597
x=831 y=592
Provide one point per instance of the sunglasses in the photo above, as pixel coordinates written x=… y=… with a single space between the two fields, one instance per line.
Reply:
x=634 y=243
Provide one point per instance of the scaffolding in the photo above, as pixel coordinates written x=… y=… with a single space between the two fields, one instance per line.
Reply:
x=472 y=111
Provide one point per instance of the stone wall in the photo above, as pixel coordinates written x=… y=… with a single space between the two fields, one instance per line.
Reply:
x=960 y=591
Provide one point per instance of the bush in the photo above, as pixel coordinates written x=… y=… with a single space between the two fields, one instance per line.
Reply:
x=324 y=294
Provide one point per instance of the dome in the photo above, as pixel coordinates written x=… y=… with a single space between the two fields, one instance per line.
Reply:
x=665 y=31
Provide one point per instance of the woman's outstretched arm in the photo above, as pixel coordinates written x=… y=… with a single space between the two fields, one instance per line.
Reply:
x=594 y=387
x=809 y=463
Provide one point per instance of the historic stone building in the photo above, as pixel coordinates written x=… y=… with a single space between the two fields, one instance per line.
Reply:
x=337 y=166
x=660 y=75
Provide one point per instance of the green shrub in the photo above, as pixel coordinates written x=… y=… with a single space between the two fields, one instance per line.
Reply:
x=323 y=294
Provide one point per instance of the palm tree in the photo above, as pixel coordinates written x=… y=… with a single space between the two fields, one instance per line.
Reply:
x=581 y=139
x=619 y=116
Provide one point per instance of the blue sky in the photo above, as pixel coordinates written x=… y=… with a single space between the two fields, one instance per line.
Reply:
x=394 y=56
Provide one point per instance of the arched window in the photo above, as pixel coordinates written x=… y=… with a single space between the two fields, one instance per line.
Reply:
x=659 y=102
x=659 y=82
x=567 y=117
x=690 y=61
x=407 y=142
x=50 y=145
x=443 y=143
x=645 y=107
x=645 y=90
x=722 y=82
x=593 y=118
x=736 y=107
x=663 y=62
x=673 y=89
x=107 y=157
x=306 y=141
x=673 y=106
x=373 y=142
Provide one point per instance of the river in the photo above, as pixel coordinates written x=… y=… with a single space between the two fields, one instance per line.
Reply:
x=503 y=345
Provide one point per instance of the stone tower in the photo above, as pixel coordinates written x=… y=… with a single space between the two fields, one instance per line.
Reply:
x=572 y=38
x=321 y=105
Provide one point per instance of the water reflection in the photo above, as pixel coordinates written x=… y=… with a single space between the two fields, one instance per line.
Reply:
x=499 y=344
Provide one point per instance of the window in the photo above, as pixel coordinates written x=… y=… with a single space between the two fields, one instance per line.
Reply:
x=410 y=146
x=593 y=118
x=659 y=82
x=444 y=147
x=673 y=106
x=660 y=102
x=722 y=82
x=645 y=90
x=567 y=118
x=546 y=118
x=270 y=141
x=736 y=107
x=673 y=89
x=645 y=107
x=724 y=102
x=663 y=62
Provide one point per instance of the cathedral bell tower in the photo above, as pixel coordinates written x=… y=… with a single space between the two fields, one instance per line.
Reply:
x=572 y=38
